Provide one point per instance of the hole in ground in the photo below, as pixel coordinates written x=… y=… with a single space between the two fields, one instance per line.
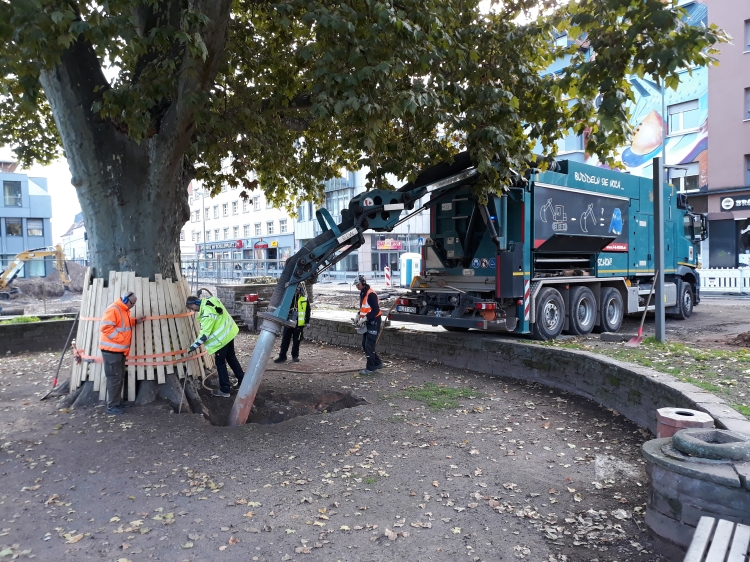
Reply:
x=272 y=407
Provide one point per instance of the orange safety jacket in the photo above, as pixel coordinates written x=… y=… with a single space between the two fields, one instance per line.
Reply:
x=115 y=332
x=365 y=308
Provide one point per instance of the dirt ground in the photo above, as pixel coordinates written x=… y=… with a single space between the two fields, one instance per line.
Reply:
x=489 y=470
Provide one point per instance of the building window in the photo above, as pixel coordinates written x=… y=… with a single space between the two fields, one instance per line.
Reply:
x=225 y=209
x=197 y=236
x=683 y=117
x=244 y=206
x=747 y=169
x=208 y=213
x=257 y=229
x=686 y=177
x=246 y=231
x=235 y=207
x=747 y=36
x=216 y=211
x=256 y=203
x=193 y=236
x=747 y=103
x=269 y=226
x=301 y=213
x=235 y=232
x=12 y=192
x=208 y=236
x=216 y=235
x=282 y=226
x=224 y=188
x=34 y=227
x=182 y=235
x=570 y=143
x=226 y=233
x=13 y=227
x=268 y=204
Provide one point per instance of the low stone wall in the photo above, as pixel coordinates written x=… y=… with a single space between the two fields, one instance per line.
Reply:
x=248 y=311
x=635 y=392
x=34 y=336
x=230 y=294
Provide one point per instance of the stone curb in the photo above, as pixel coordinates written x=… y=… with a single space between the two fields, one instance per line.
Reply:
x=634 y=391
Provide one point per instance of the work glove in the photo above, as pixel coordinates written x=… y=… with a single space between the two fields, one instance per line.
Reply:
x=191 y=349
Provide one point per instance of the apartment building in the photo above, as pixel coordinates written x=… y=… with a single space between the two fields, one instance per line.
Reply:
x=227 y=226
x=25 y=213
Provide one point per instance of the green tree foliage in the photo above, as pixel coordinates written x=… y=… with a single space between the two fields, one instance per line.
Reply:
x=303 y=88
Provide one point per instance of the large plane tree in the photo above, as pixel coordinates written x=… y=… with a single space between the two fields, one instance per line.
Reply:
x=142 y=96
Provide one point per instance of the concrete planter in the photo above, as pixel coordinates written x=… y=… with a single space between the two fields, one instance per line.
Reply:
x=34 y=336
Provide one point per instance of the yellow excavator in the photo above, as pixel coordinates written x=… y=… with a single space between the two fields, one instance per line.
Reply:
x=11 y=272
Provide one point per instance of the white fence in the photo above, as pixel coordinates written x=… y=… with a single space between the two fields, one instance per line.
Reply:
x=727 y=280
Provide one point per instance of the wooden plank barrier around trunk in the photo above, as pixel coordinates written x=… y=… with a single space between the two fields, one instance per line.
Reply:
x=168 y=333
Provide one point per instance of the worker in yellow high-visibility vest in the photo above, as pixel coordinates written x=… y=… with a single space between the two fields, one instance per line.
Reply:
x=300 y=312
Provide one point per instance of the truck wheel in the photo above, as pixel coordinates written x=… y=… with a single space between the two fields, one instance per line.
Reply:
x=582 y=311
x=455 y=328
x=550 y=315
x=611 y=310
x=685 y=301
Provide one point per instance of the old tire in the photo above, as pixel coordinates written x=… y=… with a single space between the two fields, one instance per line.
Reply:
x=611 y=310
x=582 y=311
x=550 y=315
x=455 y=328
x=685 y=301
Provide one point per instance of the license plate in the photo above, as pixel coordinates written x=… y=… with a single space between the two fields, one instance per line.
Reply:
x=410 y=309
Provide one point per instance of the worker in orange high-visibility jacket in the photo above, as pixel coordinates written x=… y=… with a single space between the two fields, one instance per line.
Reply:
x=369 y=315
x=115 y=335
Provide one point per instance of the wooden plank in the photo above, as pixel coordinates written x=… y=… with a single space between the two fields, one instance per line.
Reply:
x=148 y=334
x=156 y=329
x=172 y=323
x=720 y=542
x=699 y=543
x=84 y=344
x=140 y=342
x=178 y=305
x=96 y=368
x=740 y=544
x=164 y=323
x=92 y=336
x=191 y=325
x=134 y=348
x=75 y=377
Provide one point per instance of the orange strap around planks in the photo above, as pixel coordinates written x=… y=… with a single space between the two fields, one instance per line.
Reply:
x=130 y=361
x=162 y=317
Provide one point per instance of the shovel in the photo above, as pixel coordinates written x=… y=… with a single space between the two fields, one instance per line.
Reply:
x=636 y=341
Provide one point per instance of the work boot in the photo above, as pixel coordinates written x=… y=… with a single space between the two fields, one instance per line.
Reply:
x=115 y=411
x=376 y=367
x=295 y=359
x=124 y=405
x=220 y=394
x=366 y=372
x=280 y=360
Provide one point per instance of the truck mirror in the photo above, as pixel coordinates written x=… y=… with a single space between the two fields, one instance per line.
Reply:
x=682 y=201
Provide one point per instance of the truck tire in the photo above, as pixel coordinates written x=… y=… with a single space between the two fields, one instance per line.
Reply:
x=582 y=311
x=455 y=328
x=550 y=315
x=685 y=301
x=611 y=310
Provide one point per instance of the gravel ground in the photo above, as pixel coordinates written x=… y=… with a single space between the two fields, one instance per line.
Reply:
x=489 y=470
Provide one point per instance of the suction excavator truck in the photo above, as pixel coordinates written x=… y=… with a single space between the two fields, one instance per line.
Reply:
x=569 y=249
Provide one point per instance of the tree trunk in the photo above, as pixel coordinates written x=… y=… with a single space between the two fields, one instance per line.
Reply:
x=133 y=195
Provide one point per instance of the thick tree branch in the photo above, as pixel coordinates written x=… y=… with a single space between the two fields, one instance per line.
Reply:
x=195 y=78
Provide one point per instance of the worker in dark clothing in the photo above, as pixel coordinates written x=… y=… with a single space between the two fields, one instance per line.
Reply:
x=369 y=315
x=299 y=313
